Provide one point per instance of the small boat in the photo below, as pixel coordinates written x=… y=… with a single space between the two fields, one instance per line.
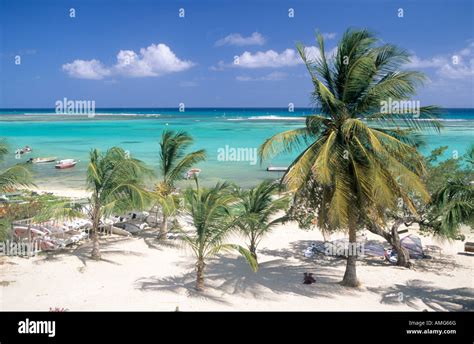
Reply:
x=42 y=160
x=24 y=150
x=192 y=173
x=277 y=169
x=66 y=163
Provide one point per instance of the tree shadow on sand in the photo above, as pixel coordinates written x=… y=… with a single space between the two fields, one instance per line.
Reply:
x=297 y=248
x=416 y=292
x=231 y=275
x=150 y=238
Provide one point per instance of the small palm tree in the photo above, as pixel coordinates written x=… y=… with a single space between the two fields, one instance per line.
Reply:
x=174 y=163
x=451 y=206
x=258 y=210
x=15 y=176
x=117 y=184
x=355 y=156
x=210 y=210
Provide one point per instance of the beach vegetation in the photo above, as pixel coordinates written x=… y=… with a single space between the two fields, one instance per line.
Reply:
x=117 y=183
x=174 y=162
x=259 y=208
x=211 y=210
x=358 y=162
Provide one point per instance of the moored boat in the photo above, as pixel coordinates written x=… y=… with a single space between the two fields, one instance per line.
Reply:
x=42 y=160
x=66 y=163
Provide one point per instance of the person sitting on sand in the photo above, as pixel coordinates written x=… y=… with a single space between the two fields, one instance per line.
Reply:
x=308 y=278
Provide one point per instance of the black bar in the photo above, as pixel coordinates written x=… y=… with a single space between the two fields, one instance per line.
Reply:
x=333 y=327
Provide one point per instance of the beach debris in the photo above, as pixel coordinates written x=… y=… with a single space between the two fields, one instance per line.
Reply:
x=308 y=278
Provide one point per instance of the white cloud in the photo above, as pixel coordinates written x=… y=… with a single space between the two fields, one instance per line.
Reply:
x=433 y=62
x=461 y=70
x=238 y=40
x=329 y=35
x=155 y=60
x=459 y=65
x=92 y=69
x=274 y=76
x=271 y=59
x=268 y=59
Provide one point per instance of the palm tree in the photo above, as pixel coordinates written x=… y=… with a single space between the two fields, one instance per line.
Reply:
x=174 y=162
x=356 y=157
x=117 y=184
x=14 y=176
x=210 y=210
x=258 y=209
x=451 y=206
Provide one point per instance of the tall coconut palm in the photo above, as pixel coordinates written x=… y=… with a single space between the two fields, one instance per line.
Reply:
x=357 y=155
x=116 y=181
x=15 y=176
x=174 y=163
x=259 y=207
x=210 y=210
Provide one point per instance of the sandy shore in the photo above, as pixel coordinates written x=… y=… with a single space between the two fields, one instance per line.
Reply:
x=62 y=192
x=140 y=274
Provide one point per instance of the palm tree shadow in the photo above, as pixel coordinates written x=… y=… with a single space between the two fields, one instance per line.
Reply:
x=150 y=238
x=416 y=292
x=229 y=275
x=176 y=284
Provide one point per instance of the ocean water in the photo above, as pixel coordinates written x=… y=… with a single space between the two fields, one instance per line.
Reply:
x=216 y=130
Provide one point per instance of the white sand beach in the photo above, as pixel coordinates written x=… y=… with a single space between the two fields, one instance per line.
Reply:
x=139 y=273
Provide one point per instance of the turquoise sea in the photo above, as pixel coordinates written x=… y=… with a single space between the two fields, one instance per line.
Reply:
x=138 y=131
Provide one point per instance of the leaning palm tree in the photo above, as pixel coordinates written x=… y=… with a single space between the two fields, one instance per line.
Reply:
x=174 y=162
x=259 y=208
x=15 y=176
x=116 y=181
x=358 y=157
x=210 y=210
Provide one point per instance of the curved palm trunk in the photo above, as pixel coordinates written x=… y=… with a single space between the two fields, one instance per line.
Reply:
x=95 y=235
x=350 y=276
x=253 y=246
x=393 y=239
x=402 y=254
x=200 y=275
x=253 y=250
x=163 y=227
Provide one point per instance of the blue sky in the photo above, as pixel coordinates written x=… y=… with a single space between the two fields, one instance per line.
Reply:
x=143 y=54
